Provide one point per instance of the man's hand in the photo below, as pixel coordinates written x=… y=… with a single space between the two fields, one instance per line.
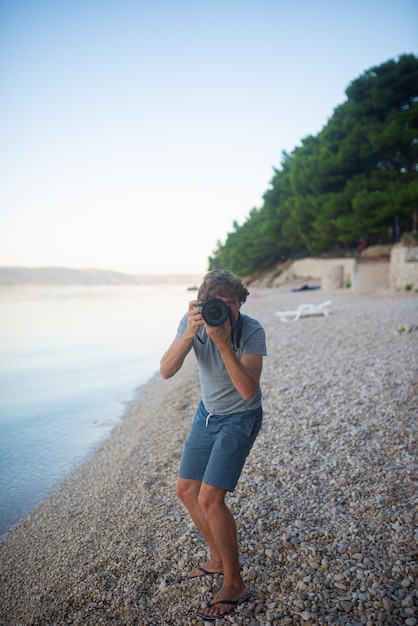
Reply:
x=219 y=334
x=194 y=318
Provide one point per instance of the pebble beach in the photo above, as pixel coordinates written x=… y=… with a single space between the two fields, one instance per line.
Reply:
x=326 y=507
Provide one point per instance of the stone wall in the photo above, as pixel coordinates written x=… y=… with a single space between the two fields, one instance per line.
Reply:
x=371 y=275
x=333 y=273
x=403 y=268
x=376 y=268
x=330 y=273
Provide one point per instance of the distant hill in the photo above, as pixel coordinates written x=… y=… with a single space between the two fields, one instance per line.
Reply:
x=68 y=276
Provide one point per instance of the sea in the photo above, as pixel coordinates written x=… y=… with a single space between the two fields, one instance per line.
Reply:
x=71 y=358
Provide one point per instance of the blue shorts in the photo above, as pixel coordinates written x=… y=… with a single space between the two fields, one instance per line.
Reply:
x=217 y=446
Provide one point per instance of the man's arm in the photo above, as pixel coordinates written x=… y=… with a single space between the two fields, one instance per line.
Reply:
x=245 y=373
x=173 y=359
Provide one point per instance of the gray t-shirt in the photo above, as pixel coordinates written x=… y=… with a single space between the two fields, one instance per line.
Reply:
x=219 y=395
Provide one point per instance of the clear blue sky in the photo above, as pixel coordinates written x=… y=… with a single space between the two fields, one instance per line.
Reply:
x=135 y=132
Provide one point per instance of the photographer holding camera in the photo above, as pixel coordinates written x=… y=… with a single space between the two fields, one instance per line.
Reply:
x=229 y=348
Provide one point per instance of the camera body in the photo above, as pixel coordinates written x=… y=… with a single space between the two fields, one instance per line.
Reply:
x=215 y=312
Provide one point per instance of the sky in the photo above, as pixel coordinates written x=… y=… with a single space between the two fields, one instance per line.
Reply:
x=134 y=133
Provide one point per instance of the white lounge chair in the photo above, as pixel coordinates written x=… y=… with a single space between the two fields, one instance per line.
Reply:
x=305 y=310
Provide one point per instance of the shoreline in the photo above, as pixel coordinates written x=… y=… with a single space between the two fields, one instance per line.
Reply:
x=329 y=488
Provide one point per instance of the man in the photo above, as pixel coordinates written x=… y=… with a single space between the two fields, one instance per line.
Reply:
x=225 y=425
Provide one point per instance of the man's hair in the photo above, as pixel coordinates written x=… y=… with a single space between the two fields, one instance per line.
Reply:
x=222 y=283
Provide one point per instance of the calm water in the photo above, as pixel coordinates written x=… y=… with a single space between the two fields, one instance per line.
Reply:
x=70 y=359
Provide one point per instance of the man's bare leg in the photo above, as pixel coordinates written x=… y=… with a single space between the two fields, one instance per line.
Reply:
x=223 y=533
x=188 y=492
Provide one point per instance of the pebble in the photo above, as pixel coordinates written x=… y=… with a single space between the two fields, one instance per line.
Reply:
x=326 y=507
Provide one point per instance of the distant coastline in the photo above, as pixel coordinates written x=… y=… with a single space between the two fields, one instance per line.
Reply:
x=69 y=276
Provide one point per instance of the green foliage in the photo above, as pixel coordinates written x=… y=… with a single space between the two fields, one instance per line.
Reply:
x=351 y=181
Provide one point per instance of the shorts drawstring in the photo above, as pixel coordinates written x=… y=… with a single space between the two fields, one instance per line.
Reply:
x=207 y=418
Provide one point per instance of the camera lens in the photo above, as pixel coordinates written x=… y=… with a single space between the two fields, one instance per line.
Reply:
x=215 y=312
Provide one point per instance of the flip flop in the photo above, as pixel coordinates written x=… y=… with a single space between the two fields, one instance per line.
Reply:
x=234 y=603
x=204 y=572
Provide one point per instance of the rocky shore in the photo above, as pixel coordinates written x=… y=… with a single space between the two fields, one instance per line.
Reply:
x=327 y=506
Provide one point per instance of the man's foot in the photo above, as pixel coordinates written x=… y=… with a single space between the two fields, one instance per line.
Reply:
x=223 y=605
x=208 y=569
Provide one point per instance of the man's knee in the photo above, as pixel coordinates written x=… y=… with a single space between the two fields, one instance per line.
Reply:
x=211 y=498
x=187 y=490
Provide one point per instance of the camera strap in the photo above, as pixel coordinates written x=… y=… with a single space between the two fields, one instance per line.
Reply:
x=236 y=333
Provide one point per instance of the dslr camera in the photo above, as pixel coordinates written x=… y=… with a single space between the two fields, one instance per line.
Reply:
x=215 y=312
